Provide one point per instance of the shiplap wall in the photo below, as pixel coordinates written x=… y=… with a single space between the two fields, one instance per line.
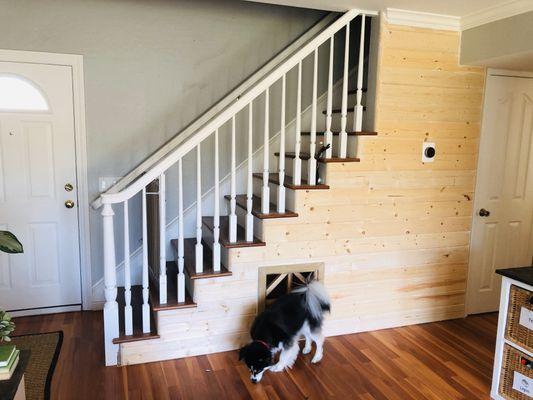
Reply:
x=393 y=233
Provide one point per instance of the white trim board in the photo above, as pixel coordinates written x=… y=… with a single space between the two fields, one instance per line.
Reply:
x=76 y=63
x=495 y=13
x=422 y=19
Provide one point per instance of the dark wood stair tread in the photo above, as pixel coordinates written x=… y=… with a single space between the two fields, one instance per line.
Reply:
x=172 y=293
x=189 y=255
x=354 y=91
x=288 y=182
x=136 y=304
x=241 y=201
x=362 y=133
x=305 y=156
x=339 y=111
x=224 y=234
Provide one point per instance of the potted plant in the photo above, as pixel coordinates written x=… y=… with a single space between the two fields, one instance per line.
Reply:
x=8 y=244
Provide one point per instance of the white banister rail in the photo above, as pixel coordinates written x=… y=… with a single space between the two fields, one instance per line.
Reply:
x=193 y=142
x=358 y=109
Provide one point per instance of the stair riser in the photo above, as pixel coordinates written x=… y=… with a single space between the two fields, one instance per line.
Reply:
x=207 y=236
x=289 y=194
x=351 y=147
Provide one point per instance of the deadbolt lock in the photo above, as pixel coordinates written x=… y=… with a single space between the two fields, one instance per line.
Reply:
x=69 y=187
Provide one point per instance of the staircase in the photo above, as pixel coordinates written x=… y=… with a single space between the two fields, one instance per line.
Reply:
x=133 y=313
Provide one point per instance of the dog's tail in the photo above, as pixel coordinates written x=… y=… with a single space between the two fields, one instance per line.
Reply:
x=316 y=297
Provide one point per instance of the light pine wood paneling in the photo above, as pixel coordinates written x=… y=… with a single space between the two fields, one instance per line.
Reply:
x=392 y=233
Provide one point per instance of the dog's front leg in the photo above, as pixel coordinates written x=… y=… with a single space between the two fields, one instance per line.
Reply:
x=287 y=357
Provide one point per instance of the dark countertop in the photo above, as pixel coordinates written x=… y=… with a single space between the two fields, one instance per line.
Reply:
x=8 y=388
x=520 y=274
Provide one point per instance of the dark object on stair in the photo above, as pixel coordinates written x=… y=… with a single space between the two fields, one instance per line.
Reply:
x=320 y=155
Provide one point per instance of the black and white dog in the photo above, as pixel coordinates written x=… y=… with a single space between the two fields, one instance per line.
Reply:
x=299 y=313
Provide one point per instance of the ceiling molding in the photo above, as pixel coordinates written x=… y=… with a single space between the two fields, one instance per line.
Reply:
x=422 y=19
x=495 y=13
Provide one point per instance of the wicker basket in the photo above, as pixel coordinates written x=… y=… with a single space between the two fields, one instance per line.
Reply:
x=510 y=364
x=515 y=332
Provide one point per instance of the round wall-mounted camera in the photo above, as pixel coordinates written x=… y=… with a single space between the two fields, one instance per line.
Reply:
x=428 y=152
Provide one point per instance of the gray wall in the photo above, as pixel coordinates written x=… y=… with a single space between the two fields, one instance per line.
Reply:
x=503 y=38
x=151 y=67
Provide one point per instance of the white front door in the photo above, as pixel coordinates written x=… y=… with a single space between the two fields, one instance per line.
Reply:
x=502 y=234
x=37 y=181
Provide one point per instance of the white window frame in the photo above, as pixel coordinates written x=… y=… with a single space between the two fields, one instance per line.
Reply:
x=80 y=135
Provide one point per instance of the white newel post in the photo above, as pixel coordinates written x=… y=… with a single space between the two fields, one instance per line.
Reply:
x=181 y=237
x=162 y=242
x=358 y=109
x=328 y=135
x=111 y=328
x=311 y=173
x=343 y=135
x=281 y=174
x=265 y=193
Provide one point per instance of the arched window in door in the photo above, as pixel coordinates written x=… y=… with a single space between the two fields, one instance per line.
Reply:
x=19 y=94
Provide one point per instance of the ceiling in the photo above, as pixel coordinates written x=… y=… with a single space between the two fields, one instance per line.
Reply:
x=457 y=8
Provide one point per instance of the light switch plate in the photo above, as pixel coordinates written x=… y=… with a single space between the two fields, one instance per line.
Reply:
x=105 y=182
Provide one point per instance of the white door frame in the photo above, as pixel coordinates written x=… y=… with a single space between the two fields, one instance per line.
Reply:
x=493 y=72
x=76 y=63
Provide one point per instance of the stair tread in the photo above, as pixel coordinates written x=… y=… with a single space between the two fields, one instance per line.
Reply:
x=339 y=111
x=288 y=183
x=305 y=156
x=241 y=201
x=224 y=234
x=136 y=303
x=189 y=255
x=358 y=133
x=172 y=292
x=354 y=91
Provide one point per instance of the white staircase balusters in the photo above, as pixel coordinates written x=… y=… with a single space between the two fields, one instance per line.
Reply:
x=297 y=164
x=311 y=170
x=328 y=135
x=145 y=275
x=265 y=193
x=198 y=249
x=111 y=324
x=358 y=109
x=181 y=237
x=343 y=136
x=233 y=195
x=190 y=143
x=250 y=185
x=162 y=241
x=128 y=311
x=281 y=185
x=216 y=214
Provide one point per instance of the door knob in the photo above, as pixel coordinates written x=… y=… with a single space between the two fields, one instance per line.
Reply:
x=69 y=204
x=484 y=213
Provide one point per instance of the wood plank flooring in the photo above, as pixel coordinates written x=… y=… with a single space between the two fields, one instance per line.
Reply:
x=442 y=361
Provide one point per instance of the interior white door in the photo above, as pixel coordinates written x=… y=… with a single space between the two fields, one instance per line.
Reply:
x=503 y=206
x=37 y=162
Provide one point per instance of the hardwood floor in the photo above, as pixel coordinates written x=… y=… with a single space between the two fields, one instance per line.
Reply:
x=444 y=360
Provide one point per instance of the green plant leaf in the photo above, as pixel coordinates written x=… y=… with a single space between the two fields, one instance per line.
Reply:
x=9 y=243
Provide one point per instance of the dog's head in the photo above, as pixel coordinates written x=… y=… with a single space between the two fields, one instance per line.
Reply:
x=258 y=358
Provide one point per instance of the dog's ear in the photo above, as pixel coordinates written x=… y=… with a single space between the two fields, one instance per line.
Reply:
x=242 y=352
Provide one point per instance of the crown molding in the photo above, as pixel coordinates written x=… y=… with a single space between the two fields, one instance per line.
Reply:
x=494 y=13
x=422 y=19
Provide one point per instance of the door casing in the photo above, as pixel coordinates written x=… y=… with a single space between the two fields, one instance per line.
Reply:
x=76 y=63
